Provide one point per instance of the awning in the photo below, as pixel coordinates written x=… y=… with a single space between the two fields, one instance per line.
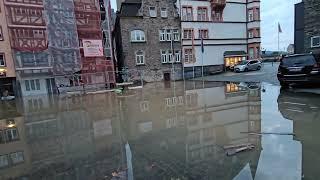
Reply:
x=234 y=53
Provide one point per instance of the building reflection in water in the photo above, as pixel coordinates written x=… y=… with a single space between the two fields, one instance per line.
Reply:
x=175 y=130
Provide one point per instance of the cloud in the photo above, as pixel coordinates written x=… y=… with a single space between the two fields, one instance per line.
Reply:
x=272 y=13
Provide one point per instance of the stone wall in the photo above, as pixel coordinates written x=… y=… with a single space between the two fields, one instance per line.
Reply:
x=311 y=22
x=153 y=69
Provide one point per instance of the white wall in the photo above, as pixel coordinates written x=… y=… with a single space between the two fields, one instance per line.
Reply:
x=43 y=88
x=232 y=12
x=253 y=24
x=213 y=55
x=239 y=1
x=235 y=12
x=254 y=4
x=218 y=30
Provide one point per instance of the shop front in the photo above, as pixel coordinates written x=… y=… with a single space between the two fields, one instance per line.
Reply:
x=232 y=58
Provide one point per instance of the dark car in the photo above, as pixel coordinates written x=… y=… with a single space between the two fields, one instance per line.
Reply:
x=299 y=69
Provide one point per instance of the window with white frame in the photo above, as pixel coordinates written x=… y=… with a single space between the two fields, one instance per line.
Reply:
x=164 y=12
x=188 y=55
x=144 y=106
x=170 y=56
x=4 y=162
x=176 y=35
x=2 y=60
x=12 y=134
x=152 y=11
x=250 y=34
x=177 y=56
x=168 y=34
x=32 y=85
x=202 y=14
x=140 y=58
x=250 y=15
x=203 y=33
x=187 y=14
x=315 y=41
x=187 y=33
x=138 y=36
x=162 y=34
x=164 y=56
x=17 y=157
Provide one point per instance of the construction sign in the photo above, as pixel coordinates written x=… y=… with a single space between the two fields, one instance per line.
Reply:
x=92 y=48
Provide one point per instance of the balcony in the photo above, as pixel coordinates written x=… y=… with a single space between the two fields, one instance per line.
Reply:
x=32 y=2
x=28 y=39
x=25 y=16
x=218 y=4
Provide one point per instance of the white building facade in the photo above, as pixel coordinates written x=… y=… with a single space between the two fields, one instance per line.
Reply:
x=230 y=30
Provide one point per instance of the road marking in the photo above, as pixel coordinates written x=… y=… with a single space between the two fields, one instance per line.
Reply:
x=294 y=103
x=294 y=110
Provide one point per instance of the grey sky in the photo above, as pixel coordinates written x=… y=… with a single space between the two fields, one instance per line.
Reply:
x=272 y=12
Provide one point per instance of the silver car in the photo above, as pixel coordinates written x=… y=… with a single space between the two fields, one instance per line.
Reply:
x=245 y=66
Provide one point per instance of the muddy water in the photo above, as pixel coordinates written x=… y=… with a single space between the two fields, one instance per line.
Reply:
x=163 y=131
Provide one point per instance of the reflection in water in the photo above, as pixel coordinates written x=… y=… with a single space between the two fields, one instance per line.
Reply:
x=175 y=131
x=303 y=109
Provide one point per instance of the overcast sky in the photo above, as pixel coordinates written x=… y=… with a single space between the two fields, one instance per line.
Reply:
x=272 y=12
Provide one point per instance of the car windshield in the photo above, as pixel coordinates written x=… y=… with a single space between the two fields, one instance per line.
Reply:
x=298 y=60
x=243 y=62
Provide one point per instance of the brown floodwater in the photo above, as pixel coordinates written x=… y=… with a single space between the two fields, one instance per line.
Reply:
x=165 y=131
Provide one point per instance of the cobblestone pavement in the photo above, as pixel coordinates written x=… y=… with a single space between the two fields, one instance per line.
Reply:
x=267 y=74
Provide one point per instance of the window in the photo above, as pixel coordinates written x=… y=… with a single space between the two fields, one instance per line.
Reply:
x=203 y=33
x=187 y=14
x=137 y=36
x=257 y=14
x=251 y=53
x=250 y=15
x=258 y=52
x=162 y=35
x=12 y=134
x=164 y=12
x=16 y=157
x=144 y=106
x=258 y=32
x=4 y=162
x=164 y=56
x=315 y=41
x=177 y=55
x=176 y=35
x=140 y=58
x=250 y=34
x=217 y=16
x=1 y=34
x=2 y=60
x=168 y=34
x=188 y=56
x=170 y=56
x=32 y=85
x=152 y=11
x=202 y=14
x=187 y=33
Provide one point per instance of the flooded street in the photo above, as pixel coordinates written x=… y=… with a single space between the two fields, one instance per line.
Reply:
x=174 y=131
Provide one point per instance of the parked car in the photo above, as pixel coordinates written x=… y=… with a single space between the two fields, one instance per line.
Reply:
x=245 y=66
x=298 y=69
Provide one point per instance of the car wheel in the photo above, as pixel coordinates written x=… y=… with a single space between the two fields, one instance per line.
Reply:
x=259 y=67
x=246 y=70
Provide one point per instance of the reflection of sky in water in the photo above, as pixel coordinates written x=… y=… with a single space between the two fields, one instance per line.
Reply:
x=281 y=157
